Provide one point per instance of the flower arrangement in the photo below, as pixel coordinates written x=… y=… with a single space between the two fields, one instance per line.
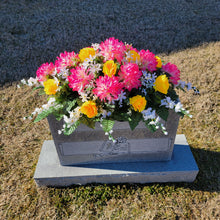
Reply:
x=108 y=82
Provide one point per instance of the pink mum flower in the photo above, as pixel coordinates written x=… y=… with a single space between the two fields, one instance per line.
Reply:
x=108 y=88
x=112 y=49
x=130 y=76
x=173 y=71
x=148 y=60
x=79 y=79
x=66 y=59
x=44 y=70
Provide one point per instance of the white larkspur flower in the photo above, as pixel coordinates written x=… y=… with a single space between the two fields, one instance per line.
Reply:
x=168 y=103
x=178 y=107
x=121 y=97
x=149 y=113
x=105 y=114
x=182 y=84
x=51 y=101
x=189 y=86
x=73 y=118
x=23 y=81
x=148 y=79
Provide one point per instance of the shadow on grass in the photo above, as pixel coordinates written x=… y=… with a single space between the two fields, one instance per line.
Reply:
x=206 y=180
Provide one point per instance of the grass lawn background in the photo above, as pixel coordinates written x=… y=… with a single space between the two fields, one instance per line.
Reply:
x=31 y=36
x=21 y=141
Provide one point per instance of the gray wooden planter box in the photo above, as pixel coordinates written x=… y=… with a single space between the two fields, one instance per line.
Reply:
x=90 y=146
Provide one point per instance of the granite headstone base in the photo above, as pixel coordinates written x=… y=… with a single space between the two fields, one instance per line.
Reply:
x=181 y=168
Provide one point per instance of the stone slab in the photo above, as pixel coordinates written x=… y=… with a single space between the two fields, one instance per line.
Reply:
x=131 y=146
x=181 y=168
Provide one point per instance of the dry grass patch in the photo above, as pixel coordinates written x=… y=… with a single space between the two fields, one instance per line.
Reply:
x=21 y=141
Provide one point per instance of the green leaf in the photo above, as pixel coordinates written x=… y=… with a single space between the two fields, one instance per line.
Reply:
x=88 y=121
x=152 y=128
x=45 y=113
x=39 y=87
x=107 y=125
x=70 y=105
x=71 y=129
x=41 y=92
x=163 y=113
x=120 y=116
x=136 y=117
x=58 y=115
x=172 y=94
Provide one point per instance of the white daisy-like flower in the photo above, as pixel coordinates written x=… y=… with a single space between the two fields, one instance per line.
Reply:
x=95 y=46
x=64 y=73
x=32 y=81
x=83 y=96
x=95 y=68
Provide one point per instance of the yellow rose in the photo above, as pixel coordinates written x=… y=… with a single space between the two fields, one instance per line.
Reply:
x=85 y=53
x=89 y=108
x=138 y=102
x=162 y=84
x=109 y=68
x=50 y=87
x=159 y=62
x=133 y=56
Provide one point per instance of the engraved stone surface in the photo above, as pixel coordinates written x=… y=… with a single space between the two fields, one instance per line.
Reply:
x=181 y=168
x=88 y=145
x=108 y=148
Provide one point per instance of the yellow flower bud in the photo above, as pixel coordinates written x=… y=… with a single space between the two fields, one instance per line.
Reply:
x=89 y=108
x=138 y=102
x=159 y=62
x=109 y=68
x=85 y=53
x=133 y=56
x=50 y=87
x=162 y=84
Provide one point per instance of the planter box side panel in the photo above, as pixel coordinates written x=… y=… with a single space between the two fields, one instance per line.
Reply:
x=88 y=145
